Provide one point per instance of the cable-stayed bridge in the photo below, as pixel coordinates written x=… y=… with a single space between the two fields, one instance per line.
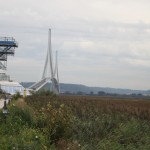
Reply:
x=49 y=73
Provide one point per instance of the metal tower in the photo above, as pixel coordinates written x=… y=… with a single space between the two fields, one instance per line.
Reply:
x=49 y=72
x=7 y=47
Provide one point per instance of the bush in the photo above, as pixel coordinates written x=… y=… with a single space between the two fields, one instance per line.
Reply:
x=43 y=93
x=27 y=139
x=76 y=122
x=56 y=120
x=17 y=96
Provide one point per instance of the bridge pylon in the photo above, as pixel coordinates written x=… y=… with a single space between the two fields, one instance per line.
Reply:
x=49 y=73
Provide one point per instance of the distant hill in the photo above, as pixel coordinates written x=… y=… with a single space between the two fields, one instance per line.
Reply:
x=78 y=88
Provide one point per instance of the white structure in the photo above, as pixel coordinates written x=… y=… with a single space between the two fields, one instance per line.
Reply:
x=11 y=87
x=49 y=72
x=7 y=48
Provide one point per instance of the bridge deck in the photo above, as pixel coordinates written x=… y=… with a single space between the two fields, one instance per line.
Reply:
x=39 y=85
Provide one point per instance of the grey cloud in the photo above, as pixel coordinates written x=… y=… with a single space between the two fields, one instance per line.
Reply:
x=101 y=43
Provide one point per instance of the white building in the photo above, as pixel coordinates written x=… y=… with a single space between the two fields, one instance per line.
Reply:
x=11 y=87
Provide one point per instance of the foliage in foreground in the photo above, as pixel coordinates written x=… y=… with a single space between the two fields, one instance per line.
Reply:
x=69 y=122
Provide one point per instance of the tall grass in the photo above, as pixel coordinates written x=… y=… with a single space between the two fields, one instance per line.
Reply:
x=47 y=121
x=99 y=122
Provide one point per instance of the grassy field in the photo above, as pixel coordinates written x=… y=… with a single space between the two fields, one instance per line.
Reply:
x=45 y=121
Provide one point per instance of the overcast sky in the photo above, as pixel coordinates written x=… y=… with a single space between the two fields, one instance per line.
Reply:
x=103 y=43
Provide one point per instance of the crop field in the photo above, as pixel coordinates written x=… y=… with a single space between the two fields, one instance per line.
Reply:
x=46 y=121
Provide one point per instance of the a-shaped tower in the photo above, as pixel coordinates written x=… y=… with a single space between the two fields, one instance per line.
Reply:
x=49 y=72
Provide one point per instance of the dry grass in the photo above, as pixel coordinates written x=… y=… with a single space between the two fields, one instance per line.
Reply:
x=101 y=122
x=139 y=108
x=20 y=103
x=84 y=105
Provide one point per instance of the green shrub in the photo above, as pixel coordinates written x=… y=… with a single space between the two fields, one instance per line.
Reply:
x=56 y=119
x=27 y=139
x=76 y=123
x=43 y=93
x=24 y=114
x=17 y=96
